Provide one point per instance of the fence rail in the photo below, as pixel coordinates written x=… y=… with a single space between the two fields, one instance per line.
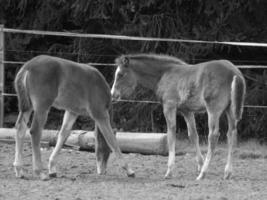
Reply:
x=139 y=101
x=125 y=37
x=2 y=73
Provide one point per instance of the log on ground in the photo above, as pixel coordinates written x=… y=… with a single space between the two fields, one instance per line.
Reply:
x=129 y=142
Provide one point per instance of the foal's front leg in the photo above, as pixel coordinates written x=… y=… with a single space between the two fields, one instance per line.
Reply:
x=170 y=116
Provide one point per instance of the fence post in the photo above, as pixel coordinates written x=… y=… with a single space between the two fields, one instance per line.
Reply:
x=2 y=75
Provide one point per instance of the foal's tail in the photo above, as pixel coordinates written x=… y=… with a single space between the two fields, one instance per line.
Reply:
x=24 y=101
x=238 y=90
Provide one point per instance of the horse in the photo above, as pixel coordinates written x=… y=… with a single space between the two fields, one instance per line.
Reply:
x=215 y=87
x=79 y=89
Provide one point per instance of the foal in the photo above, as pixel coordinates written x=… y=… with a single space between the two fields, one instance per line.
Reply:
x=215 y=87
x=79 y=89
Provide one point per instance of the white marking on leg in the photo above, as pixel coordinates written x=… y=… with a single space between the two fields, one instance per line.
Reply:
x=114 y=92
x=171 y=160
x=98 y=167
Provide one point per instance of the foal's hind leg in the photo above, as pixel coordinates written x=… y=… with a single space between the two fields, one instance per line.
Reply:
x=213 y=121
x=193 y=136
x=102 y=151
x=68 y=121
x=231 y=138
x=38 y=121
x=21 y=126
x=103 y=123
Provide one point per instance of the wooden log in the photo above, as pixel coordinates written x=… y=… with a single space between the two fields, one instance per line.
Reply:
x=143 y=143
x=9 y=133
x=44 y=144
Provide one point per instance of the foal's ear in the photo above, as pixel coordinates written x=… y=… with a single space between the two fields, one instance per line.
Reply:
x=125 y=61
x=122 y=60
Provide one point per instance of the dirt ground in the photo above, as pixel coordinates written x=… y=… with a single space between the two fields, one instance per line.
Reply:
x=77 y=178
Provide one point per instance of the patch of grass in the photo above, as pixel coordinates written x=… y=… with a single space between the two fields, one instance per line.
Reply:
x=252 y=150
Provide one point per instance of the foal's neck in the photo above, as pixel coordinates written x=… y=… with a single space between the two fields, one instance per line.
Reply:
x=148 y=74
x=147 y=81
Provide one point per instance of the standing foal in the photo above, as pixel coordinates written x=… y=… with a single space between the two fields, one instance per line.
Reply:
x=215 y=87
x=79 y=89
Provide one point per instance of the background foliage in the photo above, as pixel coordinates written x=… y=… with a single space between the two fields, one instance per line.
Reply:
x=222 y=20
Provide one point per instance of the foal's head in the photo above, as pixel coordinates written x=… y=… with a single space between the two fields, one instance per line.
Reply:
x=125 y=79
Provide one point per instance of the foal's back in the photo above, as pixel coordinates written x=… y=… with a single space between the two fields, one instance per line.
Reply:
x=192 y=86
x=67 y=85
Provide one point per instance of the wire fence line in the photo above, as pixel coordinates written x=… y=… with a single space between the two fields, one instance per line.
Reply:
x=139 y=101
x=115 y=55
x=66 y=53
x=113 y=64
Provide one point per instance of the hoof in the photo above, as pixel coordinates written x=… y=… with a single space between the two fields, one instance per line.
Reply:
x=102 y=173
x=201 y=176
x=53 y=175
x=21 y=176
x=129 y=171
x=227 y=175
x=24 y=178
x=168 y=176
x=44 y=177
x=131 y=175
x=20 y=173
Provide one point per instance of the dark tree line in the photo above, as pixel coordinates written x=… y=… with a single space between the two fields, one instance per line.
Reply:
x=222 y=20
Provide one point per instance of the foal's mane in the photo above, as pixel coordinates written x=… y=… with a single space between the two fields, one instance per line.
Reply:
x=151 y=57
x=153 y=64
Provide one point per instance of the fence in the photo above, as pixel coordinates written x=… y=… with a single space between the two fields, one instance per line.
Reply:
x=102 y=36
x=2 y=87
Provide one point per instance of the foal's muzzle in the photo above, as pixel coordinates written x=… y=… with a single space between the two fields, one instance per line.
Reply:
x=115 y=95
